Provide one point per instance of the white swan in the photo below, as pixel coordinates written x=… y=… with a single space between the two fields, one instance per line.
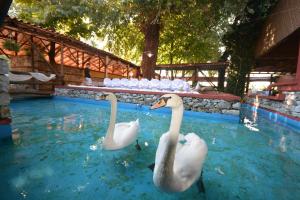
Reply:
x=118 y=135
x=177 y=165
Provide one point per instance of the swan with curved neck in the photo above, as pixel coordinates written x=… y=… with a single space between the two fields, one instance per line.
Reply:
x=118 y=135
x=177 y=165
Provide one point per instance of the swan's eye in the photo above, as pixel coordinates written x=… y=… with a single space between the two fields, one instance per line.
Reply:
x=165 y=99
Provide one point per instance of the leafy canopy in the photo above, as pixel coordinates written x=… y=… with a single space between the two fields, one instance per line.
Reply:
x=190 y=31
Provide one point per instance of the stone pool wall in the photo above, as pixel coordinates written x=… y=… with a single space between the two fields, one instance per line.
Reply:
x=190 y=103
x=290 y=106
x=5 y=118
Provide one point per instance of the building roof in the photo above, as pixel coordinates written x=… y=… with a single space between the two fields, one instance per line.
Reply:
x=278 y=45
x=51 y=35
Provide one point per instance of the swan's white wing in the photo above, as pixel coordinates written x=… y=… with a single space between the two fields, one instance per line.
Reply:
x=190 y=157
x=126 y=133
x=164 y=139
x=181 y=140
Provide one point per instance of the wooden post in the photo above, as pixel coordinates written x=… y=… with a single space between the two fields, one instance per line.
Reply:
x=298 y=66
x=195 y=77
x=51 y=53
x=99 y=64
x=82 y=60
x=32 y=53
x=105 y=67
x=221 y=79
x=271 y=79
x=77 y=59
x=62 y=63
x=32 y=60
x=182 y=75
x=16 y=39
x=138 y=72
x=127 y=68
x=247 y=83
x=172 y=75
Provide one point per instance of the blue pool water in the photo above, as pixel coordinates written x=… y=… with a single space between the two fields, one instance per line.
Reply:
x=56 y=154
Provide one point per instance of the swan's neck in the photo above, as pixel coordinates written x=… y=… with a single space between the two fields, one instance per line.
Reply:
x=176 y=119
x=111 y=128
x=167 y=162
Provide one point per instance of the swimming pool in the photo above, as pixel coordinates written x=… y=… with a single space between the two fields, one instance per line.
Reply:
x=57 y=154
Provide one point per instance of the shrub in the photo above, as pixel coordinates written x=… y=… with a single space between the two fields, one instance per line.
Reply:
x=11 y=45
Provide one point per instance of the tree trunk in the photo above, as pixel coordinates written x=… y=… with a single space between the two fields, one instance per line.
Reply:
x=51 y=53
x=171 y=53
x=4 y=7
x=151 y=42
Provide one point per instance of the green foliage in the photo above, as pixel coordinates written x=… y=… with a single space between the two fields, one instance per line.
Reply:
x=11 y=45
x=69 y=16
x=126 y=41
x=240 y=42
x=191 y=30
x=187 y=38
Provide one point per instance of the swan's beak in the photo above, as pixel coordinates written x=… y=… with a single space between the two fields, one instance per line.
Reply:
x=160 y=103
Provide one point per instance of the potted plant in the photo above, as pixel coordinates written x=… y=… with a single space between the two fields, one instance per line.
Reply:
x=11 y=45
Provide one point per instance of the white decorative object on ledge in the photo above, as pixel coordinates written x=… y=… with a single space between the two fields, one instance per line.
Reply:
x=177 y=85
x=42 y=77
x=36 y=75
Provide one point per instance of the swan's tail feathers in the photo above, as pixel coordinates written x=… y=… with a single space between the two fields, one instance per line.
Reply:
x=137 y=123
x=151 y=167
x=200 y=184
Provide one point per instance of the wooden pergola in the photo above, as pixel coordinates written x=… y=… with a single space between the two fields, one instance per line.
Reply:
x=61 y=51
x=196 y=68
x=278 y=47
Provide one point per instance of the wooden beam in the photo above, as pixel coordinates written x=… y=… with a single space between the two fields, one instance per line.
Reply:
x=71 y=56
x=22 y=43
x=193 y=66
x=45 y=45
x=4 y=53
